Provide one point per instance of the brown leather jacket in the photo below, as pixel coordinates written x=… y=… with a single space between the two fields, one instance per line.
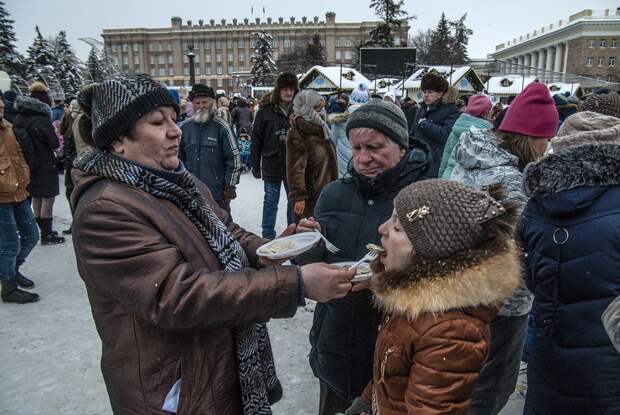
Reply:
x=14 y=171
x=310 y=163
x=436 y=335
x=162 y=306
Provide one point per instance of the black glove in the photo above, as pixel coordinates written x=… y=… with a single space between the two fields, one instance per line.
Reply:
x=358 y=406
x=256 y=173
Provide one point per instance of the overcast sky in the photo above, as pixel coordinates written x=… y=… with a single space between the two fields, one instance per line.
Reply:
x=493 y=21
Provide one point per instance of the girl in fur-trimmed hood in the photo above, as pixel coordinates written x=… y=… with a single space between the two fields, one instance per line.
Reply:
x=439 y=287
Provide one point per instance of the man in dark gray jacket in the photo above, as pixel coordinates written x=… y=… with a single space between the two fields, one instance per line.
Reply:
x=209 y=149
x=349 y=212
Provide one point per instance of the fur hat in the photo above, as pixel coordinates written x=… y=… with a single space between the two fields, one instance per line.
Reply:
x=608 y=104
x=383 y=116
x=443 y=217
x=587 y=128
x=478 y=105
x=39 y=91
x=285 y=80
x=532 y=113
x=201 y=90
x=113 y=106
x=433 y=82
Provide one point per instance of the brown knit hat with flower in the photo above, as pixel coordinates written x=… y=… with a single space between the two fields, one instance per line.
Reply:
x=443 y=217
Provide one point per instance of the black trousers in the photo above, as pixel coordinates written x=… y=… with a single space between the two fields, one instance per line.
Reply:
x=500 y=371
x=330 y=403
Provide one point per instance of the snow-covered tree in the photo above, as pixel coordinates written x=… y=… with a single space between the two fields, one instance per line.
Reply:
x=392 y=15
x=39 y=54
x=263 y=66
x=67 y=66
x=8 y=54
x=95 y=67
x=441 y=43
x=460 y=39
x=314 y=51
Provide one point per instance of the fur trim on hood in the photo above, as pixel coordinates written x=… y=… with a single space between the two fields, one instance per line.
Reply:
x=587 y=128
x=584 y=165
x=37 y=86
x=483 y=277
x=338 y=118
x=24 y=104
x=451 y=96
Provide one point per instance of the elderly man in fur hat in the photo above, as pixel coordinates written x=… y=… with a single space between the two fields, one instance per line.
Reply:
x=435 y=117
x=268 y=149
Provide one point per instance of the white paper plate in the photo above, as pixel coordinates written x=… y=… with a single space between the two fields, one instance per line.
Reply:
x=359 y=277
x=299 y=243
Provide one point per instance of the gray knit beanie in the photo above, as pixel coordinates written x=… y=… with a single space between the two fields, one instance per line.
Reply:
x=443 y=217
x=113 y=106
x=382 y=116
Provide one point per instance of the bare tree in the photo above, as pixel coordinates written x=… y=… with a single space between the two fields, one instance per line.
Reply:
x=422 y=41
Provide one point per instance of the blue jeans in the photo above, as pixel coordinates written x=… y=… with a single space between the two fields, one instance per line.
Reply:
x=18 y=235
x=270 y=207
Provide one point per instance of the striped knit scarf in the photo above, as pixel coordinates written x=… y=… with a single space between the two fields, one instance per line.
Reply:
x=256 y=369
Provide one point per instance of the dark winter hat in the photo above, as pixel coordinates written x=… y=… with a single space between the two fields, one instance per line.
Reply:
x=559 y=100
x=201 y=90
x=443 y=217
x=606 y=104
x=434 y=82
x=113 y=106
x=532 y=113
x=287 y=80
x=383 y=116
x=9 y=98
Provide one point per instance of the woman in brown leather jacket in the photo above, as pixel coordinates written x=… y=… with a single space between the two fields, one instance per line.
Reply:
x=439 y=287
x=18 y=230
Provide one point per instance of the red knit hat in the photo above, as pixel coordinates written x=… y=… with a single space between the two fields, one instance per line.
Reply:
x=532 y=113
x=478 y=105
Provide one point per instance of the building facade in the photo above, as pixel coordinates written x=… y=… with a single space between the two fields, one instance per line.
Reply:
x=585 y=44
x=223 y=49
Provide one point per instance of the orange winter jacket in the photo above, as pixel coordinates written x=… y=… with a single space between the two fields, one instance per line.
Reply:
x=14 y=172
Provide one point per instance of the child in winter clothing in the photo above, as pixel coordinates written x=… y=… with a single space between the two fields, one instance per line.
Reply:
x=244 y=142
x=438 y=284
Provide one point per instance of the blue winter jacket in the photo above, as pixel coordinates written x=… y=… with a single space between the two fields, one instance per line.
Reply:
x=571 y=236
x=210 y=153
x=433 y=125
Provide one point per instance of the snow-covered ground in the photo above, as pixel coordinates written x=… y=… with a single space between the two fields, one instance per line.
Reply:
x=50 y=350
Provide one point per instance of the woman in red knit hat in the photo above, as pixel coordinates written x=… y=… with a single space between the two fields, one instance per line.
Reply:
x=485 y=157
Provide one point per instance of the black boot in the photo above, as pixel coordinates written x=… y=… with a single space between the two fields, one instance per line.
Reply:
x=23 y=282
x=12 y=294
x=41 y=223
x=47 y=236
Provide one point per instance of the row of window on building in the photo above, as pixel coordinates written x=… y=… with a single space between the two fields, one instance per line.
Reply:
x=603 y=43
x=611 y=61
x=217 y=44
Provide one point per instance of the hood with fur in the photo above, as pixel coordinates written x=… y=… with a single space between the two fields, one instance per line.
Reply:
x=584 y=165
x=338 y=118
x=483 y=277
x=29 y=104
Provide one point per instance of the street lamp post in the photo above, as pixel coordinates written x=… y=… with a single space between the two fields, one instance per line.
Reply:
x=191 y=56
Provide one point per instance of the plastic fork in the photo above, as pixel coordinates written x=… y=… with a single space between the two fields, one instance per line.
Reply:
x=328 y=245
x=371 y=255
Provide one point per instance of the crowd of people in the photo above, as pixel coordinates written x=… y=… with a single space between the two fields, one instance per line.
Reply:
x=498 y=229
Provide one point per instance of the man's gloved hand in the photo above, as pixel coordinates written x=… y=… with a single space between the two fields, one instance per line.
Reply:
x=230 y=193
x=256 y=173
x=358 y=406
